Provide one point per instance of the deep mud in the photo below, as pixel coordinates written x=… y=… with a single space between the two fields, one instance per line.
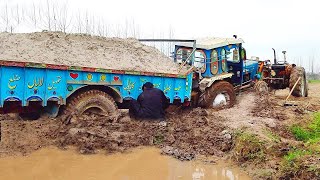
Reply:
x=255 y=133
x=20 y=137
x=193 y=133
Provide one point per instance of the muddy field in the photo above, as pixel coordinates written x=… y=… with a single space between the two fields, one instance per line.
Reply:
x=196 y=132
x=187 y=134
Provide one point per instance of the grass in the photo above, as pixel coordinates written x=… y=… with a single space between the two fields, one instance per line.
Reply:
x=249 y=147
x=296 y=154
x=310 y=133
x=298 y=161
x=274 y=137
x=314 y=81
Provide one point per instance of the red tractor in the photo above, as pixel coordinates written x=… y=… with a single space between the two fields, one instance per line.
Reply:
x=281 y=75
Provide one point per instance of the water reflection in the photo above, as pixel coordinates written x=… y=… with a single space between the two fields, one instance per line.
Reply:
x=142 y=163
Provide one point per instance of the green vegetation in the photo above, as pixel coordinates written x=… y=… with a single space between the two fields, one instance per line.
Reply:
x=249 y=147
x=310 y=133
x=295 y=154
x=303 y=161
x=314 y=81
x=274 y=137
x=299 y=159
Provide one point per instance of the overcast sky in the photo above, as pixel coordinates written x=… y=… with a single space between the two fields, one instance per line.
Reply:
x=291 y=25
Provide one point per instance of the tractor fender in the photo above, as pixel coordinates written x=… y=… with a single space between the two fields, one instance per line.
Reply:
x=112 y=91
x=207 y=82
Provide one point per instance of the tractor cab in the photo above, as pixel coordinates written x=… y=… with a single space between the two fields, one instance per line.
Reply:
x=217 y=59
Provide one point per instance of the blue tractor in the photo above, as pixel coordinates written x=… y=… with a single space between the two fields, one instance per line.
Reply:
x=220 y=70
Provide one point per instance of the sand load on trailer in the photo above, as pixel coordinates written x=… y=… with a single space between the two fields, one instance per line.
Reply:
x=84 y=50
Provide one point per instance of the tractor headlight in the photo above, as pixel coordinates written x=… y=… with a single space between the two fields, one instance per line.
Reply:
x=273 y=73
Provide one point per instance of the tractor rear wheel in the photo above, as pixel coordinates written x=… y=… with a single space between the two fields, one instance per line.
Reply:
x=94 y=101
x=220 y=95
x=301 y=89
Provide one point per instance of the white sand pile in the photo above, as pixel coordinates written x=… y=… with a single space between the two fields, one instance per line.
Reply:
x=84 y=50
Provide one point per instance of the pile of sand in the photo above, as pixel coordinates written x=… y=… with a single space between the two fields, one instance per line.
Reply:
x=84 y=50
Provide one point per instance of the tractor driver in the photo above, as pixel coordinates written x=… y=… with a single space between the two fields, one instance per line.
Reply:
x=150 y=104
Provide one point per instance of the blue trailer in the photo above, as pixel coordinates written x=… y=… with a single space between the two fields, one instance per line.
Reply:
x=47 y=85
x=216 y=67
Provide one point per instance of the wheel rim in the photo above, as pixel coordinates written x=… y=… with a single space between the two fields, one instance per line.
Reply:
x=220 y=100
x=92 y=110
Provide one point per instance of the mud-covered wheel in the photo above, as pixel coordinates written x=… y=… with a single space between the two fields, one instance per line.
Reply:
x=261 y=87
x=301 y=89
x=220 y=95
x=91 y=101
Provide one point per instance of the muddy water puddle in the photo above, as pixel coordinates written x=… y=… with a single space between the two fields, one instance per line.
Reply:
x=140 y=164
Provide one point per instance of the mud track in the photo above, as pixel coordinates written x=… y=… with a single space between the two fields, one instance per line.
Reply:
x=185 y=135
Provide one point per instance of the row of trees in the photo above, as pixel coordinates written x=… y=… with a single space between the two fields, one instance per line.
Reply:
x=311 y=65
x=54 y=16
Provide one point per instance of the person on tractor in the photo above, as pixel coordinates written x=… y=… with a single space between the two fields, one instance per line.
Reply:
x=151 y=104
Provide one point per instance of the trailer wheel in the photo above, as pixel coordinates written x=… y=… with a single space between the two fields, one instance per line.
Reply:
x=91 y=101
x=220 y=95
x=301 y=89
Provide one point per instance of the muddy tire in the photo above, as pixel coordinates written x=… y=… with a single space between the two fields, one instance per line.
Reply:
x=91 y=100
x=220 y=95
x=261 y=87
x=30 y=115
x=301 y=89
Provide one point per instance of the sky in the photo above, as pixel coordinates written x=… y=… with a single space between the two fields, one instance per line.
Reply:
x=291 y=25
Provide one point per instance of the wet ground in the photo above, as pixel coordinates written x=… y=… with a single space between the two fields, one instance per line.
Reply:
x=142 y=163
x=187 y=135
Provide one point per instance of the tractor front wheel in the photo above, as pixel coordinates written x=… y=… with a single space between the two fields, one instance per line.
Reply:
x=220 y=95
x=261 y=87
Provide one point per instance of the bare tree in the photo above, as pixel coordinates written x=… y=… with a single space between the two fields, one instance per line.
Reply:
x=31 y=16
x=87 y=23
x=54 y=17
x=63 y=18
x=117 y=30
x=5 y=18
x=48 y=15
x=17 y=15
x=102 y=28
x=171 y=45
x=79 y=23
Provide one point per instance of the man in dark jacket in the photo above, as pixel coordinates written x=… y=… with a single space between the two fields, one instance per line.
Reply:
x=150 y=104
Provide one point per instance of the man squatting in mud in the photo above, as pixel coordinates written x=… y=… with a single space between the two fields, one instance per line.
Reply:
x=150 y=104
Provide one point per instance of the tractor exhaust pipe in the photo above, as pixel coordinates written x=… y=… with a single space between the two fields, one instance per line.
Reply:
x=274 y=56
x=284 y=56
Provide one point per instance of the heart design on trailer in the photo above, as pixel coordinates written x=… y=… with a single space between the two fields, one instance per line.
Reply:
x=116 y=78
x=74 y=75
